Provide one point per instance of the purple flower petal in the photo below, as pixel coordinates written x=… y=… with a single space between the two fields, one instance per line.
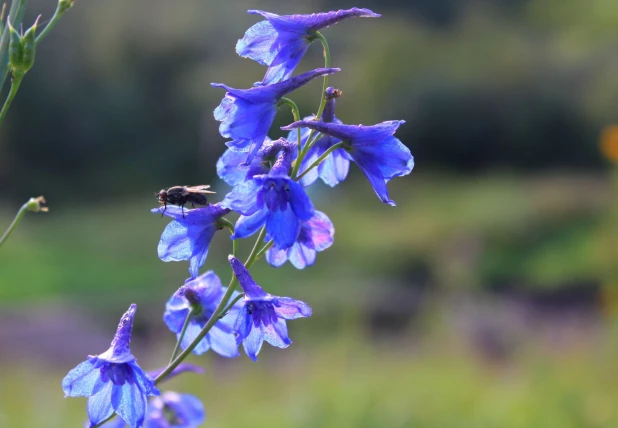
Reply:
x=280 y=42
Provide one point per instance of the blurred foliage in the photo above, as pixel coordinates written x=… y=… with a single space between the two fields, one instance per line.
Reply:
x=348 y=382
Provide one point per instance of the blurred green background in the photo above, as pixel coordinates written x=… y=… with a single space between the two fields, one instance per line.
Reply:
x=486 y=298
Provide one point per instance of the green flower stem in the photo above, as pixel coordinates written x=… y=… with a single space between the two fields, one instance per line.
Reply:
x=254 y=252
x=60 y=9
x=265 y=248
x=216 y=314
x=321 y=158
x=322 y=40
x=323 y=100
x=232 y=303
x=311 y=143
x=293 y=105
x=296 y=113
x=15 y=82
x=33 y=204
x=228 y=224
x=182 y=333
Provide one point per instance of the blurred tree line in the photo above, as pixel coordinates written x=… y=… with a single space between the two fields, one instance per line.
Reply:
x=119 y=101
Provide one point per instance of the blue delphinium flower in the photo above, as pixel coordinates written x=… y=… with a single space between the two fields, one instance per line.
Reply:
x=171 y=410
x=188 y=236
x=281 y=41
x=204 y=294
x=247 y=114
x=374 y=148
x=273 y=199
x=112 y=381
x=334 y=169
x=316 y=234
x=262 y=316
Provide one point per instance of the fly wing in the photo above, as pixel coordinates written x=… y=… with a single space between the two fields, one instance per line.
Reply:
x=200 y=189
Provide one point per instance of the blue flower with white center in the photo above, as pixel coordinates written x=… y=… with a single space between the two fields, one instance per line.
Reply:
x=316 y=234
x=272 y=199
x=170 y=410
x=204 y=294
x=374 y=148
x=281 y=41
x=112 y=381
x=262 y=316
x=334 y=169
x=247 y=114
x=188 y=236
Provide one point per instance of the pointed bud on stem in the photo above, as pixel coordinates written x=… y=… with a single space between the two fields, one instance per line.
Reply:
x=21 y=50
x=36 y=204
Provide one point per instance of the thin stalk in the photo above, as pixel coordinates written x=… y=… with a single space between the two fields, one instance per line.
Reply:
x=182 y=333
x=34 y=205
x=312 y=142
x=265 y=248
x=15 y=82
x=254 y=252
x=215 y=316
x=230 y=226
x=322 y=40
x=296 y=114
x=230 y=305
x=321 y=158
x=20 y=215
x=60 y=9
x=323 y=100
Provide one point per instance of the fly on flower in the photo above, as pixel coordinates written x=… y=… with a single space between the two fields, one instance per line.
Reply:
x=181 y=195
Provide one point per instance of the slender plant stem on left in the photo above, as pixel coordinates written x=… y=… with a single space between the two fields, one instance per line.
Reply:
x=9 y=99
x=33 y=204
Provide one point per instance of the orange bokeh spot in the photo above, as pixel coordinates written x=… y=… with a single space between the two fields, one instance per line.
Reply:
x=609 y=143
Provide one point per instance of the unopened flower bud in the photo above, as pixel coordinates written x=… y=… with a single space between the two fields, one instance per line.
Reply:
x=36 y=205
x=21 y=50
x=64 y=5
x=331 y=95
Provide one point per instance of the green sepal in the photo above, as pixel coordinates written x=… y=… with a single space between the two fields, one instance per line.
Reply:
x=21 y=50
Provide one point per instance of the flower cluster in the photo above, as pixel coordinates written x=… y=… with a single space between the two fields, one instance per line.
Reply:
x=269 y=180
